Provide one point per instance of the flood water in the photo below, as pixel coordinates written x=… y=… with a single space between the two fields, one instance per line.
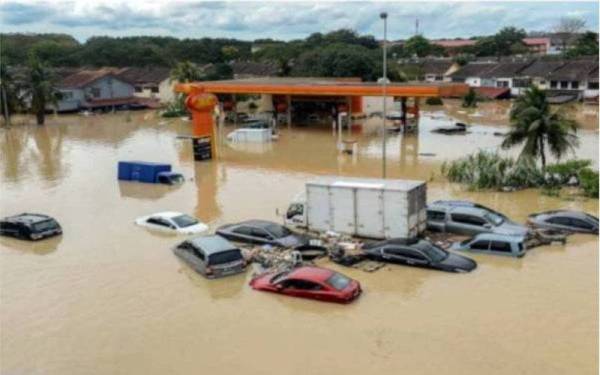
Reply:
x=109 y=297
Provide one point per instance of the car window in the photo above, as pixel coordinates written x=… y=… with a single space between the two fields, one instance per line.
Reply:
x=301 y=284
x=405 y=252
x=480 y=245
x=278 y=231
x=246 y=231
x=225 y=257
x=184 y=221
x=500 y=246
x=163 y=179
x=436 y=215
x=578 y=223
x=433 y=252
x=468 y=219
x=198 y=253
x=338 y=281
x=560 y=220
x=493 y=218
x=260 y=233
x=158 y=221
x=45 y=225
x=185 y=246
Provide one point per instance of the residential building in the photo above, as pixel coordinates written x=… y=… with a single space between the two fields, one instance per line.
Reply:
x=503 y=75
x=536 y=74
x=454 y=46
x=577 y=76
x=472 y=73
x=90 y=89
x=150 y=82
x=438 y=70
x=591 y=89
x=537 y=46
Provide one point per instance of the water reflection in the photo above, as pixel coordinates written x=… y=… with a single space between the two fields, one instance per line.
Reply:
x=222 y=288
x=42 y=247
x=138 y=190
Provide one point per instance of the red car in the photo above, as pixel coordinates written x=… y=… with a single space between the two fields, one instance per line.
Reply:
x=309 y=282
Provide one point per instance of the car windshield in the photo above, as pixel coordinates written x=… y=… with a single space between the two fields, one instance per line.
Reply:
x=434 y=253
x=494 y=218
x=338 y=281
x=279 y=277
x=225 y=257
x=278 y=231
x=593 y=218
x=45 y=225
x=184 y=221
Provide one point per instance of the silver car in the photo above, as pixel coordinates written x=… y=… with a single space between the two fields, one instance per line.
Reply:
x=491 y=243
x=211 y=256
x=467 y=218
x=572 y=221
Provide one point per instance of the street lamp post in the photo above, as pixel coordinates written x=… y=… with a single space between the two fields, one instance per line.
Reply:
x=383 y=16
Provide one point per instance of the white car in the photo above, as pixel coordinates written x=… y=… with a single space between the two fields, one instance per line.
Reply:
x=172 y=222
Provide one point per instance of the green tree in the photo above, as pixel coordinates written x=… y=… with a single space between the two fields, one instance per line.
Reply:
x=470 y=99
x=186 y=71
x=585 y=45
x=417 y=45
x=9 y=93
x=39 y=88
x=538 y=127
x=337 y=60
x=508 y=39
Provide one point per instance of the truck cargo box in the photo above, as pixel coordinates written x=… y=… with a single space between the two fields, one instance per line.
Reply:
x=141 y=171
x=372 y=208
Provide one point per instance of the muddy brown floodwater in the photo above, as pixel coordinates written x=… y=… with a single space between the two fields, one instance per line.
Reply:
x=109 y=297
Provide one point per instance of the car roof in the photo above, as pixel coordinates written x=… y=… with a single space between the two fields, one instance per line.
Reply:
x=257 y=223
x=498 y=237
x=569 y=213
x=27 y=218
x=167 y=214
x=311 y=273
x=212 y=244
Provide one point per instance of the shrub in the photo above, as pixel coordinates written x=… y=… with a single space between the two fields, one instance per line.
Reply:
x=588 y=180
x=562 y=173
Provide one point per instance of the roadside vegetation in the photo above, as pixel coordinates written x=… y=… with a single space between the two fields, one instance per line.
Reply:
x=540 y=131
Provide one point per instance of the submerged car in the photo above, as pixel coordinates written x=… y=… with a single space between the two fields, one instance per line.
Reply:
x=467 y=218
x=262 y=232
x=211 y=256
x=310 y=282
x=572 y=221
x=30 y=226
x=491 y=243
x=419 y=253
x=172 y=222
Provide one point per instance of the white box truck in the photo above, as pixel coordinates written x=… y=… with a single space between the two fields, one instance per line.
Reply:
x=372 y=208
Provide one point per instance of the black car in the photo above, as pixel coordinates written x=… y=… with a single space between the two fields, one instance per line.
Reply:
x=571 y=221
x=263 y=233
x=419 y=253
x=29 y=226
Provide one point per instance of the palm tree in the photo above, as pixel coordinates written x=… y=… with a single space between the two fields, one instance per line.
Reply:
x=39 y=88
x=186 y=71
x=9 y=90
x=535 y=124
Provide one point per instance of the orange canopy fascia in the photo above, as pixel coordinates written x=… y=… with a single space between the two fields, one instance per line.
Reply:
x=323 y=88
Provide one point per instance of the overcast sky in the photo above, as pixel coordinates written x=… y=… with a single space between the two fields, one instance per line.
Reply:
x=282 y=20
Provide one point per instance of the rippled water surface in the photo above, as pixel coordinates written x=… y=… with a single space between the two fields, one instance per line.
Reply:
x=110 y=297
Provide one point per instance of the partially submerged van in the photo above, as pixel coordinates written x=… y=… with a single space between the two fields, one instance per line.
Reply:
x=211 y=256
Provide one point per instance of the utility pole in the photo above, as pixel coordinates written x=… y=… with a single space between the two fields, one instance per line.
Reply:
x=383 y=16
x=416 y=26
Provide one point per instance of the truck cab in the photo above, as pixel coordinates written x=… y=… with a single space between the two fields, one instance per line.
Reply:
x=169 y=178
x=295 y=215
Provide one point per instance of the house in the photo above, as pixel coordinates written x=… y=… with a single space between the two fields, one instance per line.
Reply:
x=250 y=69
x=590 y=91
x=503 y=75
x=150 y=82
x=91 y=89
x=537 y=46
x=536 y=74
x=471 y=74
x=576 y=76
x=438 y=70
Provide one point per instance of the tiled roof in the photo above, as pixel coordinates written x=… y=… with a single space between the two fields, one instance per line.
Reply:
x=473 y=70
x=576 y=70
x=144 y=76
x=437 y=67
x=541 y=68
x=454 y=43
x=83 y=78
x=506 y=69
x=536 y=41
x=493 y=92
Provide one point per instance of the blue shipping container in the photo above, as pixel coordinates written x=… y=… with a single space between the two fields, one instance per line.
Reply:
x=141 y=171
